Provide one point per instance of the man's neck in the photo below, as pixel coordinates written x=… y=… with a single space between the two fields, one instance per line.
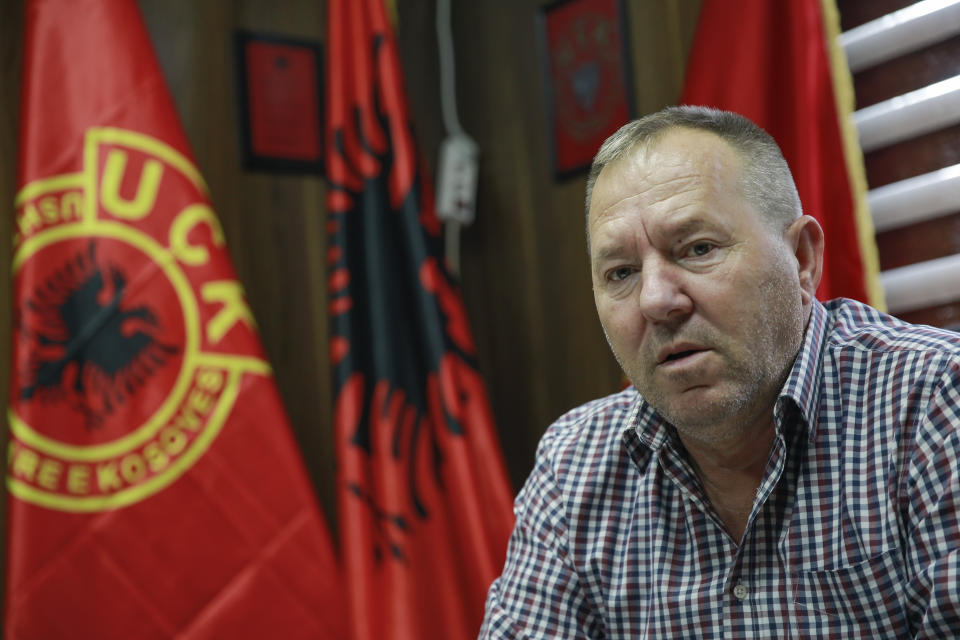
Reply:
x=731 y=471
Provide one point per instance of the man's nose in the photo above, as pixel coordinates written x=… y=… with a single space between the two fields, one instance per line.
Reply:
x=663 y=296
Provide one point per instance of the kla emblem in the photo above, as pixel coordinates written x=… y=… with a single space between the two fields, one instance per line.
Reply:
x=129 y=332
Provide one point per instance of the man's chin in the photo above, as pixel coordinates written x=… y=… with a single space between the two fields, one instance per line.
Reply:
x=698 y=409
x=691 y=420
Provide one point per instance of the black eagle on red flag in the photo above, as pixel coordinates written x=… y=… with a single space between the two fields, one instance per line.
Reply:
x=86 y=344
x=425 y=505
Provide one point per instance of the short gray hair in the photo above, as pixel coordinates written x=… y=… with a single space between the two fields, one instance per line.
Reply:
x=767 y=181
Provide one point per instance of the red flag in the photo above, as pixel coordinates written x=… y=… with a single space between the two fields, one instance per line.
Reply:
x=155 y=487
x=425 y=505
x=775 y=63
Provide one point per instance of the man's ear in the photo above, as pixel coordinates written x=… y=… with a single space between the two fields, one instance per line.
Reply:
x=805 y=237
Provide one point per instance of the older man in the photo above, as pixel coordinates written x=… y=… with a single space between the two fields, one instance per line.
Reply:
x=781 y=468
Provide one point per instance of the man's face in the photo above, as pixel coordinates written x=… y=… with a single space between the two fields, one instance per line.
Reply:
x=698 y=295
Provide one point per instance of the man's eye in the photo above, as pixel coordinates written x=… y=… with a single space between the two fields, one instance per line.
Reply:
x=701 y=248
x=620 y=273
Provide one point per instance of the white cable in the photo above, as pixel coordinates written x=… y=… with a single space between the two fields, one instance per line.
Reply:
x=457 y=175
x=448 y=85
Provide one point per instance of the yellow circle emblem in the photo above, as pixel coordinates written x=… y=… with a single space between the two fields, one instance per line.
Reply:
x=123 y=374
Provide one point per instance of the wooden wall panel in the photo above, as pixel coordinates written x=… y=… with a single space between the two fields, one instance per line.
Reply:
x=925 y=240
x=944 y=315
x=913 y=157
x=908 y=72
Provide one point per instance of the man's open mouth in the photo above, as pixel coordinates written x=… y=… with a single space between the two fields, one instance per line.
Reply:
x=681 y=354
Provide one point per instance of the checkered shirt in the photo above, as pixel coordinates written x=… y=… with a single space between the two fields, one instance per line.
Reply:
x=854 y=532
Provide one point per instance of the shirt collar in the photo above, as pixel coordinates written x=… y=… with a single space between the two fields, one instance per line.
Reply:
x=649 y=428
x=645 y=432
x=803 y=384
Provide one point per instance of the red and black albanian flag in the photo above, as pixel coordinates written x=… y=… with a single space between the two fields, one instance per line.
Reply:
x=425 y=505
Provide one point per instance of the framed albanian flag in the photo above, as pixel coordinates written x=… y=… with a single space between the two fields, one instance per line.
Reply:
x=586 y=67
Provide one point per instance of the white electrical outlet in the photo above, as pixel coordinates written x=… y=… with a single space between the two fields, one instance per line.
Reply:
x=457 y=179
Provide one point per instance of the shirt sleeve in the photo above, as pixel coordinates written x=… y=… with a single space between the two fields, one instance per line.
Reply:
x=933 y=536
x=539 y=595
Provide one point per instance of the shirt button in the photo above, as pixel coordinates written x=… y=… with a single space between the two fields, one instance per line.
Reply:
x=741 y=591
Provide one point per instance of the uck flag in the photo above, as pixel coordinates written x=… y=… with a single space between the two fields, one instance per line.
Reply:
x=425 y=504
x=779 y=64
x=155 y=490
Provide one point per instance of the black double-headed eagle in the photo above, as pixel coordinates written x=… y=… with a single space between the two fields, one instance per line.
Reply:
x=86 y=346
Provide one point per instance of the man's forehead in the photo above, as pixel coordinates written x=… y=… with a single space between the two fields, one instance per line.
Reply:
x=677 y=161
x=683 y=148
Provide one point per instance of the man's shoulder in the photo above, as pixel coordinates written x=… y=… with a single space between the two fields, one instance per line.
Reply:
x=855 y=325
x=907 y=371
x=582 y=460
x=591 y=428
